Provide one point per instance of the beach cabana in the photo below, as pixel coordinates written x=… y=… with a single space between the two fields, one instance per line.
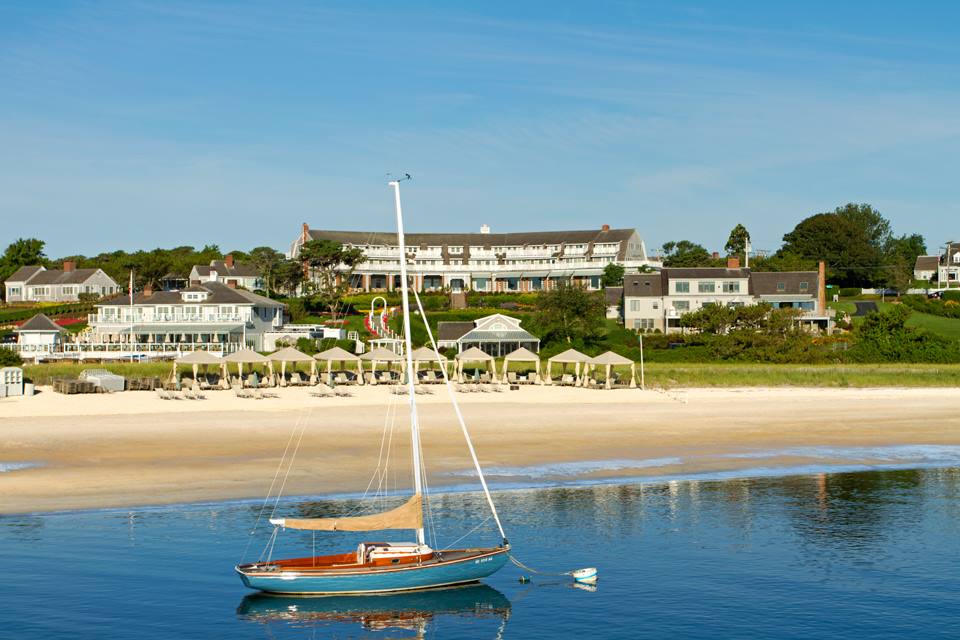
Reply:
x=609 y=360
x=522 y=355
x=338 y=354
x=247 y=356
x=196 y=358
x=425 y=354
x=293 y=356
x=474 y=354
x=570 y=356
x=379 y=354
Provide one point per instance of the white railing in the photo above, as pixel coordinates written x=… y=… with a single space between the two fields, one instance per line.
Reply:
x=161 y=318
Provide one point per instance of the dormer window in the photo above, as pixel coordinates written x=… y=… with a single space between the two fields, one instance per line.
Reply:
x=194 y=296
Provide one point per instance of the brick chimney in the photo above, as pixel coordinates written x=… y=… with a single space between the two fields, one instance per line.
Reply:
x=715 y=255
x=733 y=262
x=306 y=232
x=822 y=288
x=232 y=284
x=148 y=290
x=69 y=265
x=229 y=260
x=605 y=227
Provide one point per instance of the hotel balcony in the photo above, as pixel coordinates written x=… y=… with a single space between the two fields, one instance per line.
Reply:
x=220 y=318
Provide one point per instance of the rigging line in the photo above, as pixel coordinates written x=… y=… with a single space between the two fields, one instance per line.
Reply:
x=293 y=457
x=485 y=520
x=266 y=499
x=463 y=424
x=532 y=570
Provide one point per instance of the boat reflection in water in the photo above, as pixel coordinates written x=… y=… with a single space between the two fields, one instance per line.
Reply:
x=414 y=611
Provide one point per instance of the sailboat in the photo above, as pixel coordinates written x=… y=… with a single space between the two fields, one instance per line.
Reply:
x=384 y=567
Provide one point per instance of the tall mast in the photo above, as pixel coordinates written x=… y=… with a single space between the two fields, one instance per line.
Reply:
x=408 y=352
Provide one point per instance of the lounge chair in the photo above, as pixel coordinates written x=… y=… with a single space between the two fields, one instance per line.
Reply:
x=567 y=380
x=342 y=393
x=512 y=377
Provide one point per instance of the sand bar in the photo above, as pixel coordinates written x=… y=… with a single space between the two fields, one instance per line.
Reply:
x=134 y=449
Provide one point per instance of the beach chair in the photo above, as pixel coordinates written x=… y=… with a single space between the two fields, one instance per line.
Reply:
x=340 y=392
x=430 y=377
x=512 y=377
x=161 y=394
x=497 y=388
x=187 y=394
x=567 y=380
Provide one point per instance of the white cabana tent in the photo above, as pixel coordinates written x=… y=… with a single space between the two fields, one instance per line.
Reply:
x=610 y=360
x=196 y=358
x=338 y=354
x=248 y=356
x=425 y=354
x=289 y=354
x=522 y=355
x=570 y=356
x=473 y=354
x=379 y=354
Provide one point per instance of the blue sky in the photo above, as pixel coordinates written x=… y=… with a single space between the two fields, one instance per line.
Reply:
x=138 y=124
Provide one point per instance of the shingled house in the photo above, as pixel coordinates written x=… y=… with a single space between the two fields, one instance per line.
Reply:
x=227 y=272
x=39 y=284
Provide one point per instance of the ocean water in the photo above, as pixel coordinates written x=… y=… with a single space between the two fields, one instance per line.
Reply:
x=868 y=554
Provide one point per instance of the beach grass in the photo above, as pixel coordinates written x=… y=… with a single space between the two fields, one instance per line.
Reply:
x=669 y=375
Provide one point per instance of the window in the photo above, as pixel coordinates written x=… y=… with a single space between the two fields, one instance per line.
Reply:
x=781 y=286
x=455 y=249
x=656 y=304
x=706 y=287
x=681 y=287
x=681 y=305
x=804 y=286
x=643 y=323
x=634 y=305
x=14 y=291
x=731 y=287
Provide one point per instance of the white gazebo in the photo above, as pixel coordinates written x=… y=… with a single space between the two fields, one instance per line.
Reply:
x=379 y=354
x=609 y=360
x=473 y=354
x=197 y=358
x=522 y=355
x=293 y=356
x=570 y=356
x=338 y=354
x=425 y=354
x=248 y=356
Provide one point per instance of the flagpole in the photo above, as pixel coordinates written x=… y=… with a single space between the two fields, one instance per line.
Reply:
x=131 y=315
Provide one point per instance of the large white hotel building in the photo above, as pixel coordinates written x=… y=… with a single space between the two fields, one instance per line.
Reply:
x=485 y=261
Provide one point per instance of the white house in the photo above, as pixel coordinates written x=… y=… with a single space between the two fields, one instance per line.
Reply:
x=39 y=284
x=210 y=316
x=38 y=336
x=227 y=272
x=657 y=301
x=495 y=334
x=925 y=268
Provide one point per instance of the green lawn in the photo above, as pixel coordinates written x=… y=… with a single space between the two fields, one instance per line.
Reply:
x=947 y=327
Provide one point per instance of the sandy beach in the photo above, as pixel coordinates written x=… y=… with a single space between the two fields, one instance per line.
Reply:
x=95 y=451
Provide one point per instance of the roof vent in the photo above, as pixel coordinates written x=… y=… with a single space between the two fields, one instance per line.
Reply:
x=485 y=229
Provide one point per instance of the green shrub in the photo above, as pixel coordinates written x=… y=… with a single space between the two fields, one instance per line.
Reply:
x=10 y=358
x=849 y=292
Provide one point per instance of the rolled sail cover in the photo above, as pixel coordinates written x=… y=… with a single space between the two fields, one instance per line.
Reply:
x=409 y=515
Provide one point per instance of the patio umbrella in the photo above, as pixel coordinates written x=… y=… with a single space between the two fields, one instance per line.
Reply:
x=570 y=356
x=289 y=354
x=336 y=354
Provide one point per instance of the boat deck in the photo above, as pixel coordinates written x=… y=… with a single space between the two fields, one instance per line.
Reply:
x=347 y=562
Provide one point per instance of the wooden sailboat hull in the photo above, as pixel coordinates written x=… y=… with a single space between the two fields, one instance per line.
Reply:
x=450 y=569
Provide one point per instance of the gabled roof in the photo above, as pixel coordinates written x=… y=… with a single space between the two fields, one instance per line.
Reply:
x=337 y=354
x=519 y=238
x=613 y=295
x=644 y=285
x=39 y=322
x=218 y=293
x=381 y=354
x=238 y=270
x=453 y=330
x=611 y=358
x=200 y=357
x=289 y=354
x=473 y=355
x=24 y=273
x=522 y=355
x=570 y=355
x=927 y=263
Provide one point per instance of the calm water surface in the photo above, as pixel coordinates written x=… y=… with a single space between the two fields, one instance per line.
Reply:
x=860 y=555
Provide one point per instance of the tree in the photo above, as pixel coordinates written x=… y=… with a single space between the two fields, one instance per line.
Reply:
x=683 y=253
x=10 y=358
x=710 y=318
x=267 y=262
x=331 y=266
x=900 y=256
x=612 y=275
x=738 y=240
x=287 y=276
x=570 y=313
x=839 y=240
x=21 y=253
